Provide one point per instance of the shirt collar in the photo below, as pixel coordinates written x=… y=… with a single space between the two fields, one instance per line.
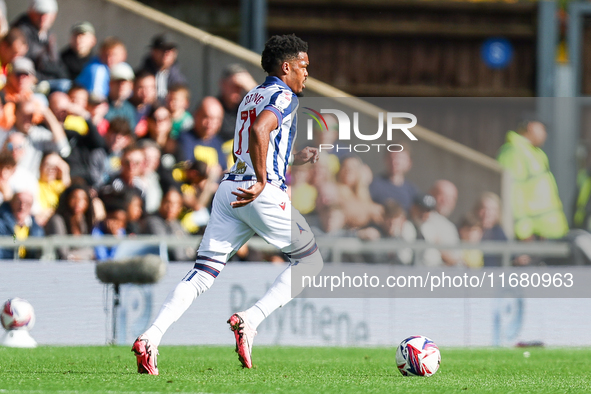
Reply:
x=274 y=80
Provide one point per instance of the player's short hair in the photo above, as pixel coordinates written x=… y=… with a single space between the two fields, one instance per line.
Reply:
x=110 y=43
x=14 y=35
x=279 y=49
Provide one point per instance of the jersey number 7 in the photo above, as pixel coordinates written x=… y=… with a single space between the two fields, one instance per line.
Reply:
x=246 y=116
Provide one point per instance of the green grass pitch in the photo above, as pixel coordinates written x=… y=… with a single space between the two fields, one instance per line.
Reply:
x=292 y=370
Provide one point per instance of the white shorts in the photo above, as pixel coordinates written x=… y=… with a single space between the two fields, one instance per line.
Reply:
x=270 y=215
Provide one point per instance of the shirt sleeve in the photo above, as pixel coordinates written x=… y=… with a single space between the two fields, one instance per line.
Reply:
x=282 y=103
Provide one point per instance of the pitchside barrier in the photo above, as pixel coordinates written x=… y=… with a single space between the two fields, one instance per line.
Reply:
x=335 y=248
x=74 y=308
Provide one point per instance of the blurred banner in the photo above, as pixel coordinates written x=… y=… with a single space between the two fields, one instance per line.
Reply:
x=73 y=308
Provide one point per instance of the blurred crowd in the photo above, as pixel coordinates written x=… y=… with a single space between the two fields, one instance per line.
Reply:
x=93 y=146
x=344 y=198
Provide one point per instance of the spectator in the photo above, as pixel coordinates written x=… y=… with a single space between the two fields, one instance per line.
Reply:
x=71 y=115
x=54 y=178
x=323 y=179
x=95 y=75
x=150 y=177
x=177 y=102
x=488 y=211
x=79 y=96
x=130 y=176
x=82 y=134
x=39 y=139
x=104 y=163
x=7 y=169
x=471 y=232
x=43 y=51
x=434 y=229
x=393 y=225
x=353 y=180
x=166 y=223
x=19 y=87
x=394 y=185
x=331 y=221
x=12 y=45
x=143 y=100
x=162 y=63
x=3 y=21
x=113 y=225
x=74 y=216
x=135 y=211
x=303 y=194
x=582 y=213
x=445 y=232
x=201 y=183
x=120 y=89
x=537 y=209
x=16 y=221
x=76 y=55
x=15 y=145
x=98 y=108
x=159 y=126
x=329 y=215
x=446 y=197
x=156 y=177
x=203 y=143
x=234 y=85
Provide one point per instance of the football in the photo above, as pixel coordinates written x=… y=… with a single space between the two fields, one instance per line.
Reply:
x=17 y=314
x=418 y=356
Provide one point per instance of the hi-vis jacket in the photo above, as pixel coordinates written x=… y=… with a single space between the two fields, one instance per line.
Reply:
x=537 y=209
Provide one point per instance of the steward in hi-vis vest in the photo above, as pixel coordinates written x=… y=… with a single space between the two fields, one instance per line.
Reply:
x=583 y=202
x=536 y=205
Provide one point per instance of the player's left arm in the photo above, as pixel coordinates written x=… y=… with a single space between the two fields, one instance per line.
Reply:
x=306 y=155
x=258 y=145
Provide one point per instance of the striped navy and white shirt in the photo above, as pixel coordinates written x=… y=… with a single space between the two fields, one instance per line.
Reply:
x=273 y=95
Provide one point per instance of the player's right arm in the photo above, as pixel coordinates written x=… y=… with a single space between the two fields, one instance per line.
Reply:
x=258 y=144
